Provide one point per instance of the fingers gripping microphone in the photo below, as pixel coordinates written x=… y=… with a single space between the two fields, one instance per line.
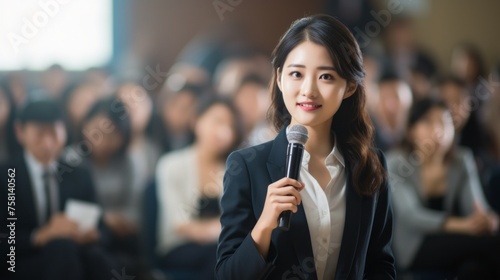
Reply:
x=297 y=137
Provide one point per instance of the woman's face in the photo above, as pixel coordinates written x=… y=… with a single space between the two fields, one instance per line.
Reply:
x=311 y=87
x=103 y=137
x=433 y=133
x=215 y=129
x=179 y=112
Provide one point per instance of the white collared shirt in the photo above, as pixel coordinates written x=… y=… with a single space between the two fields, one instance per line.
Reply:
x=325 y=212
x=35 y=171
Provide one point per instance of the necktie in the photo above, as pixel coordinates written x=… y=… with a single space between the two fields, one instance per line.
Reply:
x=51 y=206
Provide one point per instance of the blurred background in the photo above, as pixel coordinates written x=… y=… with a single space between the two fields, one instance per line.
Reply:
x=192 y=79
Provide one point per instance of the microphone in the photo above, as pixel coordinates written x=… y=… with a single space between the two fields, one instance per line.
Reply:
x=297 y=137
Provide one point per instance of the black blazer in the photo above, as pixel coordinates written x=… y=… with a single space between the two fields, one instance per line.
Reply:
x=73 y=182
x=365 y=252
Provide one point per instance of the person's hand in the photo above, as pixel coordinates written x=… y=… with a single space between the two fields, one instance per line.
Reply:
x=478 y=223
x=494 y=222
x=282 y=195
x=88 y=237
x=118 y=224
x=59 y=226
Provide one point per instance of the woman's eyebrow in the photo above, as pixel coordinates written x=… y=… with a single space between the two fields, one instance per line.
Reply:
x=319 y=67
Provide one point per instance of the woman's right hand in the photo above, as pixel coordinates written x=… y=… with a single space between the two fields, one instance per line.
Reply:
x=282 y=195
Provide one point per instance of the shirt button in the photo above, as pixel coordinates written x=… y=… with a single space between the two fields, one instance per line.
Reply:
x=324 y=240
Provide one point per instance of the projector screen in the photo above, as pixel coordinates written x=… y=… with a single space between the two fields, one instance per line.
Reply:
x=34 y=34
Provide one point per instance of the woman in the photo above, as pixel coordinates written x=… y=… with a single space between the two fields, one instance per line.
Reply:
x=189 y=188
x=442 y=219
x=142 y=151
x=342 y=226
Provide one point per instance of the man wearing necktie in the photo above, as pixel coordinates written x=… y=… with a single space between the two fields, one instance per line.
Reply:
x=48 y=244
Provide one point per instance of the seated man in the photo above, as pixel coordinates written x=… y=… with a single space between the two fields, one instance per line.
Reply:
x=48 y=245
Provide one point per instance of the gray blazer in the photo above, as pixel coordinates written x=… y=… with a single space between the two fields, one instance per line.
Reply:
x=413 y=221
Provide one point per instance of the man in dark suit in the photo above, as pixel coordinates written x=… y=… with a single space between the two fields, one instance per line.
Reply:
x=48 y=245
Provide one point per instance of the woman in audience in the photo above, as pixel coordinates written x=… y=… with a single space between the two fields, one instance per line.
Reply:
x=143 y=151
x=177 y=113
x=189 y=187
x=106 y=132
x=442 y=219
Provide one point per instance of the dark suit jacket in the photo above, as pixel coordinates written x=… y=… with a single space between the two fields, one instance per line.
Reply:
x=73 y=182
x=366 y=243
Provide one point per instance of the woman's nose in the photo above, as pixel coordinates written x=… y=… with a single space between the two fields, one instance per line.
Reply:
x=309 y=88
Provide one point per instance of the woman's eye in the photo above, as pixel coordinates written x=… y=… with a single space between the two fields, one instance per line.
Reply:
x=326 y=77
x=295 y=74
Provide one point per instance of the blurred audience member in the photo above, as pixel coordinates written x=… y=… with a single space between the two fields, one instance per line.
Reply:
x=252 y=101
x=231 y=72
x=467 y=64
x=402 y=51
x=454 y=92
x=9 y=147
x=49 y=245
x=443 y=221
x=177 y=111
x=54 y=80
x=464 y=111
x=372 y=65
x=422 y=75
x=189 y=188
x=16 y=85
x=106 y=130
x=491 y=151
x=100 y=79
x=389 y=116
x=143 y=151
x=76 y=100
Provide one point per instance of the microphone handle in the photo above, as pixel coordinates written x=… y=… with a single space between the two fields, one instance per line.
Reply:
x=293 y=162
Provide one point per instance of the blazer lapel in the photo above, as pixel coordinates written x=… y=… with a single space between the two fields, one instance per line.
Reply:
x=350 y=235
x=26 y=192
x=299 y=229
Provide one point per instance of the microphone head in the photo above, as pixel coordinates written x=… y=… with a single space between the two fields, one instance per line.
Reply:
x=297 y=134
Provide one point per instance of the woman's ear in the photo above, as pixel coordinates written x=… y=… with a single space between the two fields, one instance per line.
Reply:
x=350 y=89
x=278 y=78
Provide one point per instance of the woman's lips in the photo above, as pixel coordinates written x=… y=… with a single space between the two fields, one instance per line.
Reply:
x=308 y=106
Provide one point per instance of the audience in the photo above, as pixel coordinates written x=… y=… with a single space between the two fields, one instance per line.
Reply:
x=76 y=100
x=491 y=151
x=443 y=154
x=443 y=221
x=9 y=146
x=177 y=111
x=49 y=244
x=189 y=188
x=143 y=151
x=252 y=101
x=389 y=114
x=106 y=134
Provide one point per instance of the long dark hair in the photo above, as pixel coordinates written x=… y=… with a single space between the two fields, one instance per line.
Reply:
x=417 y=112
x=116 y=111
x=351 y=123
x=207 y=102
